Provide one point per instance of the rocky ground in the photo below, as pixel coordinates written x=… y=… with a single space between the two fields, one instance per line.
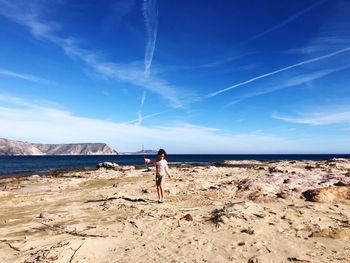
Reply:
x=235 y=211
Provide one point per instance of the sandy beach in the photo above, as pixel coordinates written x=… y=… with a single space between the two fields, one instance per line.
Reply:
x=234 y=211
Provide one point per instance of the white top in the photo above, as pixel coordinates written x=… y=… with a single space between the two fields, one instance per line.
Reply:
x=162 y=167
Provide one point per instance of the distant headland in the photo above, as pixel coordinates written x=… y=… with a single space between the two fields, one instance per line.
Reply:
x=11 y=147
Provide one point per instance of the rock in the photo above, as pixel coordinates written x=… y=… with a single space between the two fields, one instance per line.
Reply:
x=248 y=230
x=253 y=260
x=107 y=165
x=188 y=217
x=309 y=167
x=276 y=169
x=328 y=194
x=44 y=215
x=343 y=182
x=282 y=194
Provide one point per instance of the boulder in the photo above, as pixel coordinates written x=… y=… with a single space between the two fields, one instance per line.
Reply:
x=328 y=194
x=108 y=165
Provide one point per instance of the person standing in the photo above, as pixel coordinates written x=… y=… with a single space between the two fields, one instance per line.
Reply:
x=162 y=169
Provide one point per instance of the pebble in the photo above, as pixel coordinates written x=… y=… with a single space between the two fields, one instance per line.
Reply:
x=253 y=260
x=188 y=217
x=44 y=215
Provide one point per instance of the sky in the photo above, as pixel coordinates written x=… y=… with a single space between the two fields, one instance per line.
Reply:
x=198 y=76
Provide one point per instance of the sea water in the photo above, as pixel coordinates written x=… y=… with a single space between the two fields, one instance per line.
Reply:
x=12 y=165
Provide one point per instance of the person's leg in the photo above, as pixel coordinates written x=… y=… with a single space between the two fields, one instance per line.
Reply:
x=158 y=190
x=161 y=189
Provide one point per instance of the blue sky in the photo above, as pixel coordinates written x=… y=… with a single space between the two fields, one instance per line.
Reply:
x=193 y=76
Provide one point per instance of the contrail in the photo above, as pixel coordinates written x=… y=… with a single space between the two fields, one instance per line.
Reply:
x=143 y=99
x=139 y=119
x=285 y=22
x=278 y=71
x=150 y=13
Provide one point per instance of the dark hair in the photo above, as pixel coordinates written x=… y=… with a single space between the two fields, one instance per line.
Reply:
x=162 y=151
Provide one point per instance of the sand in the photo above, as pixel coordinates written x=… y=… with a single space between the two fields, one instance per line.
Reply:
x=235 y=211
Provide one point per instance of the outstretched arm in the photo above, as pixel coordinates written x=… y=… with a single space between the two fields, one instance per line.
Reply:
x=146 y=160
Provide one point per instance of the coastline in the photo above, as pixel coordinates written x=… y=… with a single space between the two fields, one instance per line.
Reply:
x=233 y=211
x=29 y=165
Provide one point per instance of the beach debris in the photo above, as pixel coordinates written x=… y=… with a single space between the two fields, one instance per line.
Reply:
x=13 y=247
x=75 y=252
x=241 y=243
x=134 y=224
x=295 y=259
x=145 y=191
x=101 y=200
x=133 y=199
x=189 y=208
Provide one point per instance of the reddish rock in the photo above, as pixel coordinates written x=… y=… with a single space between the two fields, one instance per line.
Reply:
x=188 y=217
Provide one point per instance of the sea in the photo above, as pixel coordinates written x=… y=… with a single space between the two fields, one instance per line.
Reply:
x=30 y=165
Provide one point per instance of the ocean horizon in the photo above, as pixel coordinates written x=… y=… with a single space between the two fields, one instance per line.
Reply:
x=27 y=165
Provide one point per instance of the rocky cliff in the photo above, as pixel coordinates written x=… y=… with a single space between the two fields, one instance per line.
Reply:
x=10 y=147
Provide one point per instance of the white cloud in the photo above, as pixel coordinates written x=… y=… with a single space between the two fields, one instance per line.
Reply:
x=129 y=73
x=9 y=73
x=333 y=32
x=24 y=120
x=317 y=118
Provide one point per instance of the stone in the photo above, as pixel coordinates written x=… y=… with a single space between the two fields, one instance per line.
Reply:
x=44 y=215
x=253 y=260
x=188 y=217
x=249 y=231
x=107 y=165
x=328 y=194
